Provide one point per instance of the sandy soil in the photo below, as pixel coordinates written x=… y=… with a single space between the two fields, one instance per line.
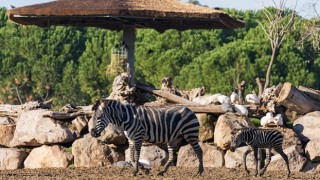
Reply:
x=113 y=173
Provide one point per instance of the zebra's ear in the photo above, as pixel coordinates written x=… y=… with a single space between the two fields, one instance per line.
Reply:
x=96 y=105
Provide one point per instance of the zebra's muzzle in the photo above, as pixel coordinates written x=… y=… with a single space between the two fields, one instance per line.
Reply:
x=94 y=133
x=232 y=149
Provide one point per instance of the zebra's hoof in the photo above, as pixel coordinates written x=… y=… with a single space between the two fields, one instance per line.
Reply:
x=146 y=171
x=248 y=173
x=134 y=173
x=161 y=173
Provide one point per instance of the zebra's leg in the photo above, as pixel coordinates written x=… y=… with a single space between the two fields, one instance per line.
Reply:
x=172 y=154
x=137 y=147
x=132 y=150
x=245 y=159
x=268 y=162
x=255 y=151
x=197 y=149
x=285 y=157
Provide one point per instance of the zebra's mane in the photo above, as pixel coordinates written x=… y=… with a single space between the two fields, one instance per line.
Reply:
x=244 y=129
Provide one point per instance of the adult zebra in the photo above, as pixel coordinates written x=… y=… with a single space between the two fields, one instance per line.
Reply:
x=259 y=138
x=152 y=124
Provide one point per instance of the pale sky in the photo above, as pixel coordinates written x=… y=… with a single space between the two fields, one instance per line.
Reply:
x=304 y=7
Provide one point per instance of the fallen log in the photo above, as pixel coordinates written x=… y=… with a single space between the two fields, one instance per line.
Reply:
x=314 y=94
x=297 y=100
x=167 y=95
x=67 y=116
x=212 y=109
x=215 y=109
x=25 y=107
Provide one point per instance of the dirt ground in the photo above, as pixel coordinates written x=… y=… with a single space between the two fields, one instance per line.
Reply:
x=113 y=173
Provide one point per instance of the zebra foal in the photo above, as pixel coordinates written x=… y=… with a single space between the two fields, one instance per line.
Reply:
x=152 y=124
x=259 y=138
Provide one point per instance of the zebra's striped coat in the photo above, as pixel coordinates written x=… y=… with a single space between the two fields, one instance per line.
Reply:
x=155 y=125
x=256 y=139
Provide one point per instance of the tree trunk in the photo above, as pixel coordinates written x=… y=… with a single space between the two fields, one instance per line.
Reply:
x=241 y=89
x=314 y=94
x=297 y=100
x=273 y=58
x=260 y=86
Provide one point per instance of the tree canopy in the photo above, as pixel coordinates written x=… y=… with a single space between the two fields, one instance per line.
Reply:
x=69 y=64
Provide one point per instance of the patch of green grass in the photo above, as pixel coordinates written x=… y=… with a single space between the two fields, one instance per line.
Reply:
x=255 y=121
x=69 y=149
x=290 y=125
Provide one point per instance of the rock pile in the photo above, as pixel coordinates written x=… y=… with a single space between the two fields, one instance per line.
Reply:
x=41 y=138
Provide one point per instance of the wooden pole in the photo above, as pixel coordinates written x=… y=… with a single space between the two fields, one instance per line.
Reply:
x=129 y=37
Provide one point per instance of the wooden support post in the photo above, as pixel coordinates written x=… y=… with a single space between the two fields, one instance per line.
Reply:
x=129 y=37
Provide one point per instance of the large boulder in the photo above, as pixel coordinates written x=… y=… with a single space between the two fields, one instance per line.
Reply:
x=33 y=129
x=90 y=152
x=206 y=129
x=308 y=126
x=48 y=157
x=291 y=139
x=296 y=161
x=152 y=154
x=11 y=158
x=112 y=134
x=312 y=150
x=235 y=159
x=224 y=126
x=212 y=157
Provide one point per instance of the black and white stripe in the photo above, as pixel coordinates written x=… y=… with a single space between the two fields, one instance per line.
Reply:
x=256 y=139
x=151 y=124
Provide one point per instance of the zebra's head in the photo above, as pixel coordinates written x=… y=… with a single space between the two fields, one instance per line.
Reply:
x=101 y=117
x=235 y=139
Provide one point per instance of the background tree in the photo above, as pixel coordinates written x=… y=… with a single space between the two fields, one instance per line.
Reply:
x=280 y=22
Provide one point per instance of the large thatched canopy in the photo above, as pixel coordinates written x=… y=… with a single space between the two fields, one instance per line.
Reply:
x=112 y=14
x=124 y=15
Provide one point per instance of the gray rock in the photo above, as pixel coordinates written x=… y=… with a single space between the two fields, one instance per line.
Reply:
x=224 y=126
x=308 y=126
x=80 y=124
x=11 y=158
x=89 y=152
x=212 y=157
x=33 y=129
x=124 y=164
x=296 y=161
x=235 y=159
x=48 y=157
x=111 y=134
x=6 y=121
x=7 y=134
x=152 y=154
